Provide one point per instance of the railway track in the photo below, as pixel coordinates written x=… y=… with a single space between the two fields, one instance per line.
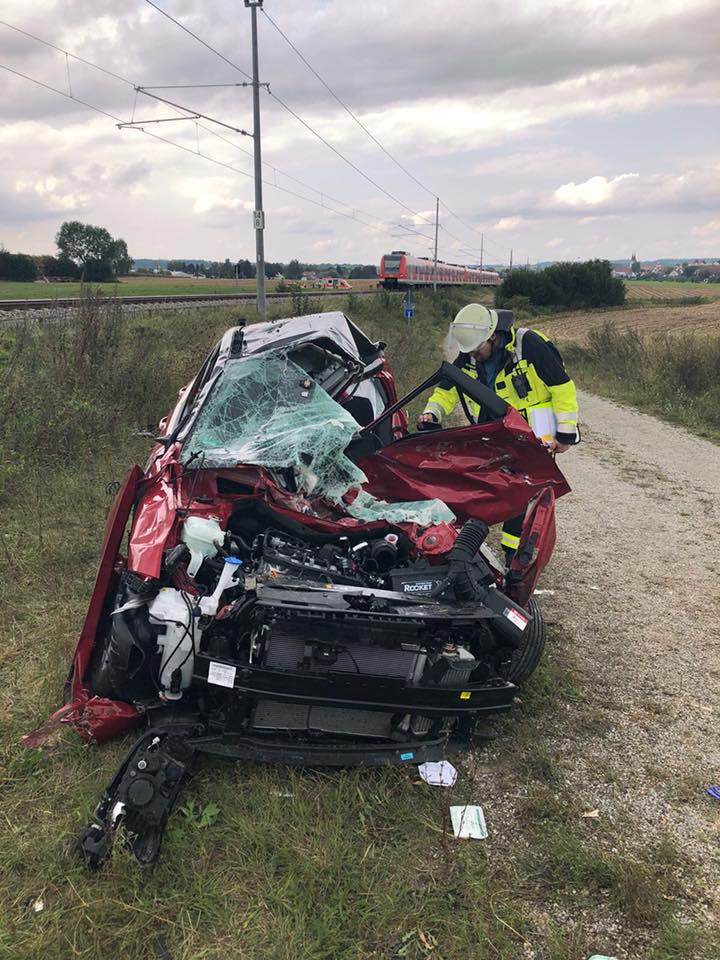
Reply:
x=69 y=302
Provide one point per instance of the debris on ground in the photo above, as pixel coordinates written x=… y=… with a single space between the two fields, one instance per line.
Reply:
x=438 y=774
x=468 y=822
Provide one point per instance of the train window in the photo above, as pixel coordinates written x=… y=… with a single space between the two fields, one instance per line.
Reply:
x=391 y=264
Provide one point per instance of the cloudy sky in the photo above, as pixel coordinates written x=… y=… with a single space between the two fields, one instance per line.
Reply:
x=569 y=129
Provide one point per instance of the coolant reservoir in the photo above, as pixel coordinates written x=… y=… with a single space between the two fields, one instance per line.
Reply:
x=171 y=613
x=201 y=534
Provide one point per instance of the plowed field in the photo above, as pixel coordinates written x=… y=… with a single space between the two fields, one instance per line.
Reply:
x=670 y=290
x=702 y=318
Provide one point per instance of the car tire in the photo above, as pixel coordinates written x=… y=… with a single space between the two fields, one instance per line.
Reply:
x=100 y=670
x=526 y=658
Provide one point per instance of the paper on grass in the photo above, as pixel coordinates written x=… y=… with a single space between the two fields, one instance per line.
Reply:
x=468 y=822
x=440 y=774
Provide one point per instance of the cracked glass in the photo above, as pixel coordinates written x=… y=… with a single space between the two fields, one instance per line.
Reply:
x=267 y=411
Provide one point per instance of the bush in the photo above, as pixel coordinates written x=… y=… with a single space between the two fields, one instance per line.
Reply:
x=572 y=286
x=97 y=271
x=59 y=268
x=17 y=266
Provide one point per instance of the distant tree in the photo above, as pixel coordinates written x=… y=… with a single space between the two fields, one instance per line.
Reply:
x=245 y=269
x=17 y=266
x=360 y=272
x=272 y=269
x=293 y=270
x=99 y=256
x=120 y=260
x=339 y=269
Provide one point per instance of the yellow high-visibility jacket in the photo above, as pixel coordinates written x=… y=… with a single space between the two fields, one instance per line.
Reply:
x=532 y=365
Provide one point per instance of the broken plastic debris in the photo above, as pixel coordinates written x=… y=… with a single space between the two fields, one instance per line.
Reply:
x=713 y=791
x=598 y=956
x=543 y=593
x=260 y=412
x=468 y=822
x=592 y=814
x=38 y=905
x=440 y=774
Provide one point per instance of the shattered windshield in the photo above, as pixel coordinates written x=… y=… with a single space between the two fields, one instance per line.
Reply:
x=266 y=410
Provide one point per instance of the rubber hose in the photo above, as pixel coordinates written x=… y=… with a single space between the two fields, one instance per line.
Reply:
x=469 y=540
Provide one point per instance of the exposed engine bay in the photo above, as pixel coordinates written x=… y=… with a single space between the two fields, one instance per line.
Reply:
x=322 y=612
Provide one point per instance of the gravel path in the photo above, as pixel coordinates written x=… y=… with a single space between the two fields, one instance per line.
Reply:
x=636 y=576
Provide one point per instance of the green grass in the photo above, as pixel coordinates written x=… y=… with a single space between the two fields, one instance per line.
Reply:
x=258 y=861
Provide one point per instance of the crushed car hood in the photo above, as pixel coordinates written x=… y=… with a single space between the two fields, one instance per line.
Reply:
x=489 y=471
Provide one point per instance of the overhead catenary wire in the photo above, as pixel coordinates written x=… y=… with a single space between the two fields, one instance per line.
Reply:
x=214 y=133
x=387 y=229
x=382 y=229
x=369 y=132
x=319 y=136
x=345 y=107
x=294 y=114
x=199 y=39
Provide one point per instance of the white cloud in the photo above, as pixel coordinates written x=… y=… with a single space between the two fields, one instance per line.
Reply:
x=499 y=117
x=509 y=223
x=591 y=193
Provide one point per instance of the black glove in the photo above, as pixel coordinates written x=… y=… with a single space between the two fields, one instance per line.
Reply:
x=429 y=424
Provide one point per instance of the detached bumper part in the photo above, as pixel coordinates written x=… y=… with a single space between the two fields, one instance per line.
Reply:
x=140 y=796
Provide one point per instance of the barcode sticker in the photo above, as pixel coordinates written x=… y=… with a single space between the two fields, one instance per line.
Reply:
x=221 y=674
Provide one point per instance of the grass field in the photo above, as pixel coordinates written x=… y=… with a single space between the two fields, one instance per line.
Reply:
x=670 y=290
x=264 y=862
x=143 y=286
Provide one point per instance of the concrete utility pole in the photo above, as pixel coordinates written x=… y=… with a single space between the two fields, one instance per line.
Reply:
x=511 y=258
x=259 y=214
x=482 y=245
x=437 y=215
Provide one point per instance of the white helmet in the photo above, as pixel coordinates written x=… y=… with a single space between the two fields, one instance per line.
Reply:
x=473 y=325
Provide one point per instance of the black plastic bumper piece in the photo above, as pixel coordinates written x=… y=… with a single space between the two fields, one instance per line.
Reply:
x=361 y=692
x=140 y=795
x=323 y=753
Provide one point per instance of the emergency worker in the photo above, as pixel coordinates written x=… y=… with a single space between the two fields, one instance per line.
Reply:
x=523 y=368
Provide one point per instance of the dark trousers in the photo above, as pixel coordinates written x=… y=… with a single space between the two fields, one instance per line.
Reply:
x=510 y=538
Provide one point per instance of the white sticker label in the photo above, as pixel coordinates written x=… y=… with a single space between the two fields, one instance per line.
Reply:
x=221 y=674
x=514 y=617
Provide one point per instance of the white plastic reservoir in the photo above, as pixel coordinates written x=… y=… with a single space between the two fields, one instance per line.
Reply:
x=177 y=639
x=202 y=536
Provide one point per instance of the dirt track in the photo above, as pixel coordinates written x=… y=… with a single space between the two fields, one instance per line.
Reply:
x=636 y=576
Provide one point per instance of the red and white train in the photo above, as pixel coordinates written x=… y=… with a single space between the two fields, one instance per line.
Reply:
x=400 y=270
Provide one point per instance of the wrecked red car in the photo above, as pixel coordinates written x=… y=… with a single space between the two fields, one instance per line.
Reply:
x=305 y=581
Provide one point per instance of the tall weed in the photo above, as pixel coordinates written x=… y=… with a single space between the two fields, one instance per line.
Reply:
x=677 y=376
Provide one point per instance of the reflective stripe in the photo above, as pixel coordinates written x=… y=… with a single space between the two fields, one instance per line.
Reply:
x=567 y=416
x=508 y=540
